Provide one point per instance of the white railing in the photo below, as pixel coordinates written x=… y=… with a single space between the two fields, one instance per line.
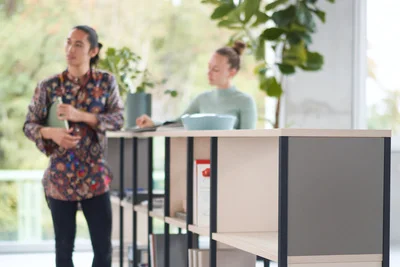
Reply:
x=30 y=200
x=30 y=203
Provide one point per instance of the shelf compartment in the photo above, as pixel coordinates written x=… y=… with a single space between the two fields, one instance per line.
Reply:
x=114 y=200
x=247 y=185
x=126 y=204
x=264 y=244
x=140 y=209
x=203 y=231
x=178 y=156
x=201 y=151
x=159 y=214
x=176 y=222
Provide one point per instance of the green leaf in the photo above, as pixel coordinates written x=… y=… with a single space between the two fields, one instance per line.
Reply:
x=295 y=38
x=311 y=1
x=314 y=62
x=306 y=38
x=275 y=4
x=283 y=18
x=270 y=86
x=304 y=16
x=250 y=8
x=332 y=1
x=260 y=69
x=110 y=52
x=222 y=11
x=236 y=14
x=260 y=50
x=286 y=69
x=320 y=14
x=296 y=55
x=149 y=84
x=140 y=89
x=294 y=27
x=173 y=93
x=229 y=24
x=272 y=33
x=261 y=19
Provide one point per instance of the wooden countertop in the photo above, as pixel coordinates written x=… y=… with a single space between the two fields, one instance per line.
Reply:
x=255 y=133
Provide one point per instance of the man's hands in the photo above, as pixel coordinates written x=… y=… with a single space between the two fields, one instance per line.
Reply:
x=69 y=113
x=144 y=121
x=60 y=136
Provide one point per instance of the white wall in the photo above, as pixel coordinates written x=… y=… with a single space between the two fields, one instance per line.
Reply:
x=334 y=97
x=324 y=99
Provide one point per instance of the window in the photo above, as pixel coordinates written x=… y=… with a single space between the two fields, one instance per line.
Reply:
x=383 y=54
x=175 y=37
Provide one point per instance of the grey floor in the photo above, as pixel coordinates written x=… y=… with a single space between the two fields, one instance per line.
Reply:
x=84 y=259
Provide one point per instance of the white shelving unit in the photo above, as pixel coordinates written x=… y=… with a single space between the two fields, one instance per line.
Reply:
x=299 y=197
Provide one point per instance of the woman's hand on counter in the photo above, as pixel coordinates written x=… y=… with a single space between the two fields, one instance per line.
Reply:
x=144 y=121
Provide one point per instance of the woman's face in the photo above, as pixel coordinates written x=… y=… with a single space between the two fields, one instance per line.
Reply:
x=77 y=49
x=219 y=70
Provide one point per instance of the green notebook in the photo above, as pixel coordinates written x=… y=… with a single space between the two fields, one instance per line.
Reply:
x=52 y=120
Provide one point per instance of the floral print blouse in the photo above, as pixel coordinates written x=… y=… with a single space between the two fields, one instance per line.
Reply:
x=82 y=172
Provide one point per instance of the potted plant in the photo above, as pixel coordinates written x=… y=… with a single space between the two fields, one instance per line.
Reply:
x=133 y=81
x=285 y=26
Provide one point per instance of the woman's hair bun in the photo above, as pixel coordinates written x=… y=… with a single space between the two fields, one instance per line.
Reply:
x=239 y=47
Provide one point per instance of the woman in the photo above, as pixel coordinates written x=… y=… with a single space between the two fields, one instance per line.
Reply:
x=77 y=171
x=222 y=67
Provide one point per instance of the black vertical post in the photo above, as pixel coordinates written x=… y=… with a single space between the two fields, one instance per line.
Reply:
x=283 y=202
x=386 y=202
x=189 y=194
x=266 y=263
x=167 y=200
x=213 y=200
x=150 y=194
x=134 y=201
x=121 y=197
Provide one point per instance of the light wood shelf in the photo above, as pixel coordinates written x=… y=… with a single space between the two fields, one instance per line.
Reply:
x=140 y=208
x=114 y=200
x=126 y=204
x=203 y=231
x=256 y=133
x=159 y=214
x=175 y=222
x=330 y=259
x=257 y=170
x=264 y=244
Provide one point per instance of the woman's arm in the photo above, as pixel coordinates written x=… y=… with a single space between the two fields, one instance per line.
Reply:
x=248 y=113
x=194 y=106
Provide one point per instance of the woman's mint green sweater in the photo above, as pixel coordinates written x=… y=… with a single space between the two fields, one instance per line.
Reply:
x=227 y=101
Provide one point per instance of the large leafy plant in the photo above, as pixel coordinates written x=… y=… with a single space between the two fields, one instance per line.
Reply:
x=130 y=75
x=284 y=26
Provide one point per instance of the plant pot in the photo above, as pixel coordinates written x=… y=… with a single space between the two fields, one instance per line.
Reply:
x=136 y=105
